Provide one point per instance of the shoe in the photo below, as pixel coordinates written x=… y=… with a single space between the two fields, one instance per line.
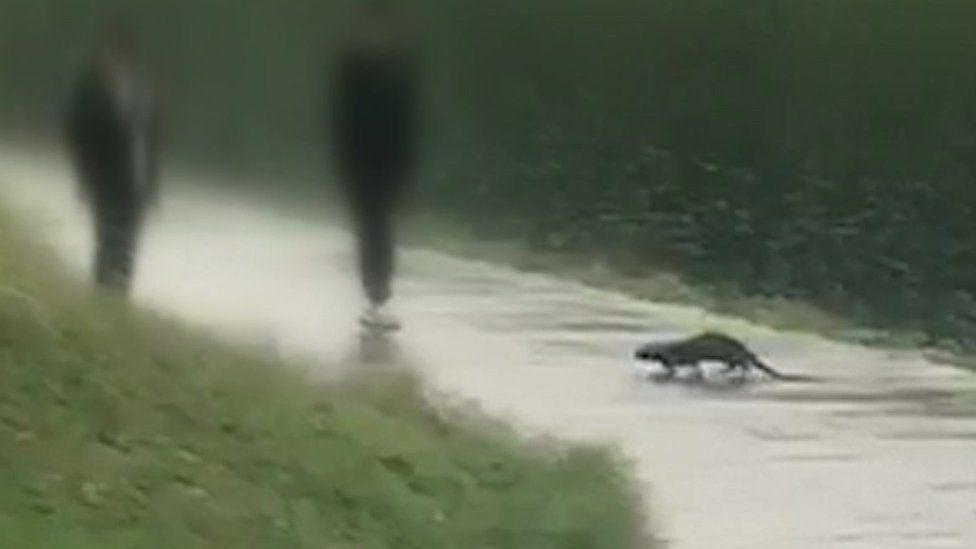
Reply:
x=378 y=318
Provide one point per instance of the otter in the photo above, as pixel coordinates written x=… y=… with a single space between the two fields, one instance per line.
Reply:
x=708 y=346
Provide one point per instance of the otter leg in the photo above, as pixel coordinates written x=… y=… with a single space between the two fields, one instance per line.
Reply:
x=731 y=366
x=696 y=367
x=741 y=367
x=666 y=375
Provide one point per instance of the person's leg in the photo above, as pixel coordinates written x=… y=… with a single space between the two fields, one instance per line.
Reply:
x=373 y=231
x=117 y=227
x=372 y=215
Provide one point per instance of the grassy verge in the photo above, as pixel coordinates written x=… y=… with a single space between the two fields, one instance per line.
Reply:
x=641 y=281
x=120 y=429
x=644 y=282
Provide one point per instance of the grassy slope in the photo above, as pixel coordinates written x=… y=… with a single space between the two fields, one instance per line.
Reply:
x=118 y=429
x=430 y=230
x=669 y=287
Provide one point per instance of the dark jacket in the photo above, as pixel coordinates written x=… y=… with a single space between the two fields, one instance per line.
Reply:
x=114 y=148
x=375 y=115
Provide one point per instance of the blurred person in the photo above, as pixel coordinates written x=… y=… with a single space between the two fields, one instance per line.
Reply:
x=112 y=134
x=374 y=128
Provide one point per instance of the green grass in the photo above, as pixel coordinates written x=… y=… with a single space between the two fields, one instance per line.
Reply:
x=434 y=231
x=645 y=282
x=667 y=287
x=119 y=429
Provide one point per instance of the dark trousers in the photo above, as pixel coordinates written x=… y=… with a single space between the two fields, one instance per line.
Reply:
x=117 y=228
x=374 y=235
x=372 y=201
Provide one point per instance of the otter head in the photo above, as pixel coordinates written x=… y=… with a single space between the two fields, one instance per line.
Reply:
x=648 y=352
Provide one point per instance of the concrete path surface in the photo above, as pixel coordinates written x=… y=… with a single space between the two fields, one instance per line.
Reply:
x=876 y=457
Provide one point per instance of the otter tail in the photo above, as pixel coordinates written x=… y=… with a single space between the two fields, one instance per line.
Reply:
x=759 y=364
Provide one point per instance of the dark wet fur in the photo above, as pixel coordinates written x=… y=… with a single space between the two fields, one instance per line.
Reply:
x=709 y=346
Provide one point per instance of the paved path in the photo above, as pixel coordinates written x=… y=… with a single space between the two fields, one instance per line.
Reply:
x=871 y=459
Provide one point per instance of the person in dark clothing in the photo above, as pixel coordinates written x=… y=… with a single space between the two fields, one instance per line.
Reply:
x=375 y=133
x=111 y=130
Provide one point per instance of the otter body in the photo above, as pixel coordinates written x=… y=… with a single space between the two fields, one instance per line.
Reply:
x=708 y=346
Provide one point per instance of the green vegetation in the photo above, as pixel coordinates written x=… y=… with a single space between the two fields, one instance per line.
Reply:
x=121 y=429
x=819 y=151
